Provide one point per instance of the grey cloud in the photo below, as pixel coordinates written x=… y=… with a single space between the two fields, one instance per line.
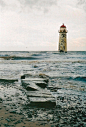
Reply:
x=31 y=4
x=39 y=2
x=2 y=3
x=82 y=3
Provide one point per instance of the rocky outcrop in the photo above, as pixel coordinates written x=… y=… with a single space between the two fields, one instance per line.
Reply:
x=37 y=92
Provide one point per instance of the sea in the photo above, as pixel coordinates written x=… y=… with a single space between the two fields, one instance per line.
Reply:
x=66 y=72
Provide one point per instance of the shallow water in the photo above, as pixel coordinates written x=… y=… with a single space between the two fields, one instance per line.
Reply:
x=66 y=71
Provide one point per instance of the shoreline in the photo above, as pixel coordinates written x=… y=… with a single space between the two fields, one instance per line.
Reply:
x=16 y=120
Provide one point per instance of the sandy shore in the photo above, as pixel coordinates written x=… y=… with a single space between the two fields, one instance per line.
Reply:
x=16 y=120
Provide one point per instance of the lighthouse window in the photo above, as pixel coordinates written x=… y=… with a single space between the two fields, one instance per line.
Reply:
x=64 y=35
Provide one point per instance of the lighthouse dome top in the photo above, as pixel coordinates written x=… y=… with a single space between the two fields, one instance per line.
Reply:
x=63 y=26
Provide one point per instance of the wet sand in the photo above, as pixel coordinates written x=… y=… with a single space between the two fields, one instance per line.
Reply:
x=16 y=120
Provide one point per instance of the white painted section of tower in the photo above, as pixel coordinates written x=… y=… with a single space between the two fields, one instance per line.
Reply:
x=62 y=39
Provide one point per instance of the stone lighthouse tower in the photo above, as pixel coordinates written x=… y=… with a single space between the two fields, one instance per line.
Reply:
x=62 y=39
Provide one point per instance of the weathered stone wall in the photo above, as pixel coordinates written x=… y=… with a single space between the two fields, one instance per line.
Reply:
x=62 y=40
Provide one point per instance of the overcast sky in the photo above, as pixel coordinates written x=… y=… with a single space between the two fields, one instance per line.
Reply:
x=31 y=25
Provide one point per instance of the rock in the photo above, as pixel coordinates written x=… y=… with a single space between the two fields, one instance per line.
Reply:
x=0 y=108
x=39 y=94
x=8 y=80
x=41 y=75
x=30 y=86
x=84 y=120
x=42 y=102
x=45 y=77
x=23 y=77
x=8 y=120
x=1 y=100
x=30 y=115
x=35 y=66
x=13 y=111
x=53 y=89
x=41 y=84
x=36 y=82
x=19 y=121
x=6 y=125
x=58 y=106
x=52 y=126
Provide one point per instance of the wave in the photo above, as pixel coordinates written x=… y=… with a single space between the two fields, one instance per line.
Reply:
x=80 y=78
x=76 y=78
x=25 y=58
x=36 y=54
x=18 y=58
x=8 y=80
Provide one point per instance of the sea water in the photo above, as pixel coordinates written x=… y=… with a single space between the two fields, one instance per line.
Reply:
x=66 y=71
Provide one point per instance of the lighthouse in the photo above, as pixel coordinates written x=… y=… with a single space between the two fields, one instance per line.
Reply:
x=62 y=39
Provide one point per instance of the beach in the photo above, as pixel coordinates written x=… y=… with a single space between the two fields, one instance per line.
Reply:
x=16 y=120
x=46 y=89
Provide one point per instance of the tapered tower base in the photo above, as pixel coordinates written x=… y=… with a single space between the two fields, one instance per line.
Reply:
x=62 y=39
